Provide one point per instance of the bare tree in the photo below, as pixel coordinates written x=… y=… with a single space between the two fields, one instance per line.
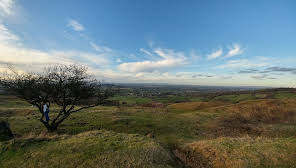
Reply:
x=68 y=87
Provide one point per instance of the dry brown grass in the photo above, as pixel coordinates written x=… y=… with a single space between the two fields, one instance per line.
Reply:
x=42 y=135
x=266 y=111
x=250 y=117
x=240 y=153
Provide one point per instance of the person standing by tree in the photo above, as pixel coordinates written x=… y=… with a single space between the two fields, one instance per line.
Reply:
x=46 y=111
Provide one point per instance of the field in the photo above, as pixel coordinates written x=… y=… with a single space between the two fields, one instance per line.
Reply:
x=229 y=130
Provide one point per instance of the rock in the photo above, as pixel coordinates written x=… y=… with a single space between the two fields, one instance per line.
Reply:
x=5 y=132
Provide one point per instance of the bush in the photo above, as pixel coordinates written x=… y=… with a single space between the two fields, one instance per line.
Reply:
x=5 y=132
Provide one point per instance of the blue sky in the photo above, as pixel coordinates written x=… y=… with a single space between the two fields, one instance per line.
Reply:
x=214 y=42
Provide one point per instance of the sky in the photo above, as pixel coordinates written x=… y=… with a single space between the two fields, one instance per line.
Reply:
x=194 y=42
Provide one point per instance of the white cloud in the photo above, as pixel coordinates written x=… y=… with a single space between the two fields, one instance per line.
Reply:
x=6 y=36
x=19 y=55
x=13 y=53
x=100 y=48
x=169 y=53
x=80 y=57
x=243 y=63
x=215 y=54
x=234 y=50
x=118 y=60
x=147 y=66
x=146 y=51
x=75 y=25
x=169 y=59
x=6 y=7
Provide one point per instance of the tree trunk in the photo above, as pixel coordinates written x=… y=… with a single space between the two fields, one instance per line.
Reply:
x=52 y=129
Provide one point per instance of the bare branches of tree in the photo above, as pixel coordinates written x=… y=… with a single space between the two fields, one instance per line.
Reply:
x=67 y=86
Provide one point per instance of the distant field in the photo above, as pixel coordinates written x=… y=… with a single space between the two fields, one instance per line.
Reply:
x=285 y=95
x=134 y=100
x=235 y=98
x=242 y=119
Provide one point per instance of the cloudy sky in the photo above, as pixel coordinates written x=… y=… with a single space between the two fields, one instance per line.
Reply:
x=214 y=42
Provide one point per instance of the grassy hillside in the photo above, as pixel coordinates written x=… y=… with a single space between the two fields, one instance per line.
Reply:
x=266 y=119
x=88 y=149
x=246 y=151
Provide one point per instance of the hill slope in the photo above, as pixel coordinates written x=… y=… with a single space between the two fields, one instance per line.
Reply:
x=246 y=151
x=89 y=149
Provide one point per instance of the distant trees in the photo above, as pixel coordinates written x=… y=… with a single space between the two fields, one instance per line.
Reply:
x=68 y=87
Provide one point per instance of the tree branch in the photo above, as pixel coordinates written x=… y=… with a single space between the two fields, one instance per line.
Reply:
x=85 y=107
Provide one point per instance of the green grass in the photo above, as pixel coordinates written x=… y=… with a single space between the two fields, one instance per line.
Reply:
x=169 y=127
x=11 y=102
x=89 y=149
x=132 y=100
x=171 y=99
x=172 y=126
x=235 y=98
x=260 y=96
x=285 y=95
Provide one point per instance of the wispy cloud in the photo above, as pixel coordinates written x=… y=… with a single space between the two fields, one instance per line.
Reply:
x=247 y=71
x=146 y=51
x=281 y=69
x=243 y=63
x=6 y=7
x=100 y=48
x=75 y=25
x=13 y=52
x=234 y=50
x=215 y=54
x=261 y=77
x=269 y=70
x=169 y=59
x=6 y=36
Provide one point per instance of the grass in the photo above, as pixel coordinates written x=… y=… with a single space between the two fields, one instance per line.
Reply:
x=225 y=118
x=168 y=127
x=194 y=106
x=88 y=149
x=226 y=152
x=236 y=98
x=171 y=99
x=132 y=100
x=285 y=95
